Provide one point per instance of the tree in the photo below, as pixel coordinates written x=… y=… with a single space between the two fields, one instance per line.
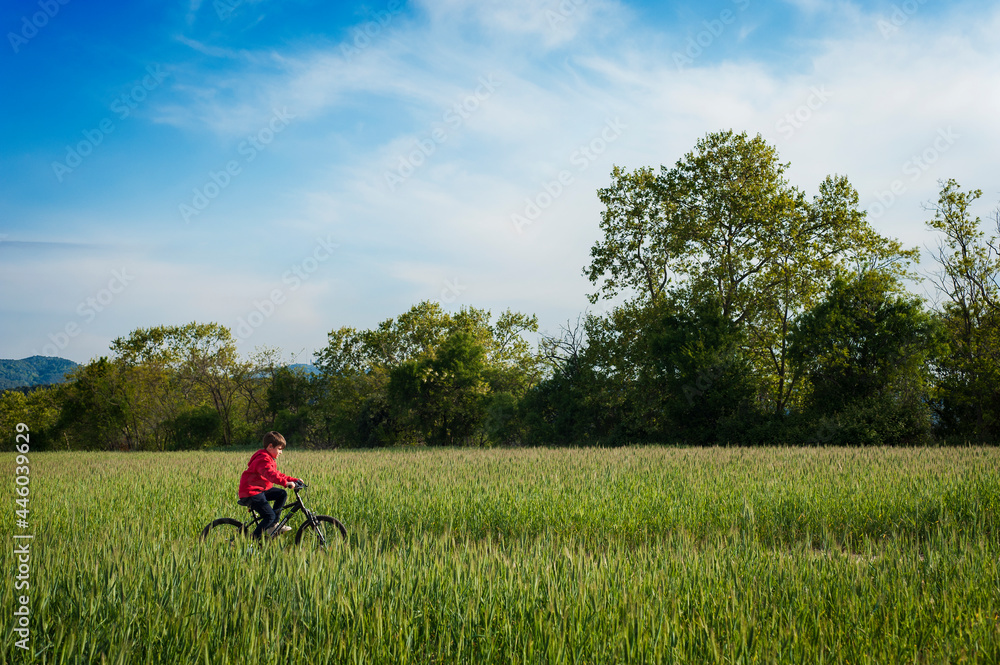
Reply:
x=39 y=408
x=571 y=408
x=567 y=407
x=712 y=396
x=264 y=365
x=714 y=221
x=357 y=368
x=648 y=373
x=645 y=237
x=724 y=226
x=210 y=361
x=865 y=352
x=195 y=427
x=290 y=403
x=95 y=409
x=619 y=375
x=351 y=388
x=969 y=376
x=609 y=384
x=180 y=366
x=443 y=392
x=148 y=395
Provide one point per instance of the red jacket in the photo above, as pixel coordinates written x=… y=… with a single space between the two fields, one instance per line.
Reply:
x=261 y=474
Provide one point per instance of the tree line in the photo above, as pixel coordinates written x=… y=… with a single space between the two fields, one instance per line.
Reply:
x=740 y=312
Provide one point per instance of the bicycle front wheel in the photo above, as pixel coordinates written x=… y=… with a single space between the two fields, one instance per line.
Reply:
x=224 y=533
x=322 y=531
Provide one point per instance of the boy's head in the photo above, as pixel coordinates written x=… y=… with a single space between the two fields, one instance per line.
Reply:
x=274 y=443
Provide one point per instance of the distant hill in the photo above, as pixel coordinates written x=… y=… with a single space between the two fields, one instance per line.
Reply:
x=33 y=371
x=44 y=370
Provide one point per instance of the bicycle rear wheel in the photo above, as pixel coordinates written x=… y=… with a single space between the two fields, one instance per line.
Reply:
x=324 y=531
x=224 y=533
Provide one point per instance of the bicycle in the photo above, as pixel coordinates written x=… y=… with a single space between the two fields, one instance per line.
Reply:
x=226 y=530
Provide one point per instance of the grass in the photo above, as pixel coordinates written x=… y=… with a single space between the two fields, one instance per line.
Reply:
x=634 y=555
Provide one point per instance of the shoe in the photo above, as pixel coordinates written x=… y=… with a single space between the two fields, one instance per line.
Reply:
x=284 y=529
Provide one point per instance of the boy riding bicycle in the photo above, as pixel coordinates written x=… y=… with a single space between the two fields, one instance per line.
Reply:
x=257 y=488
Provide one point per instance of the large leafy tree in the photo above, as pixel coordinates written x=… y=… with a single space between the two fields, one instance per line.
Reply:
x=724 y=226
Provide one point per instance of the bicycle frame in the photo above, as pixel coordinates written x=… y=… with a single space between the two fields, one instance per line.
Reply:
x=287 y=512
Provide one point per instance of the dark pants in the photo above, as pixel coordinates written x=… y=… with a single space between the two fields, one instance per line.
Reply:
x=259 y=504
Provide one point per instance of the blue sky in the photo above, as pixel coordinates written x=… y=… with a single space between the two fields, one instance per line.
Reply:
x=288 y=168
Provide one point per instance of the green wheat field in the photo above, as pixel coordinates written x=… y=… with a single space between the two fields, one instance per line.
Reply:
x=629 y=555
